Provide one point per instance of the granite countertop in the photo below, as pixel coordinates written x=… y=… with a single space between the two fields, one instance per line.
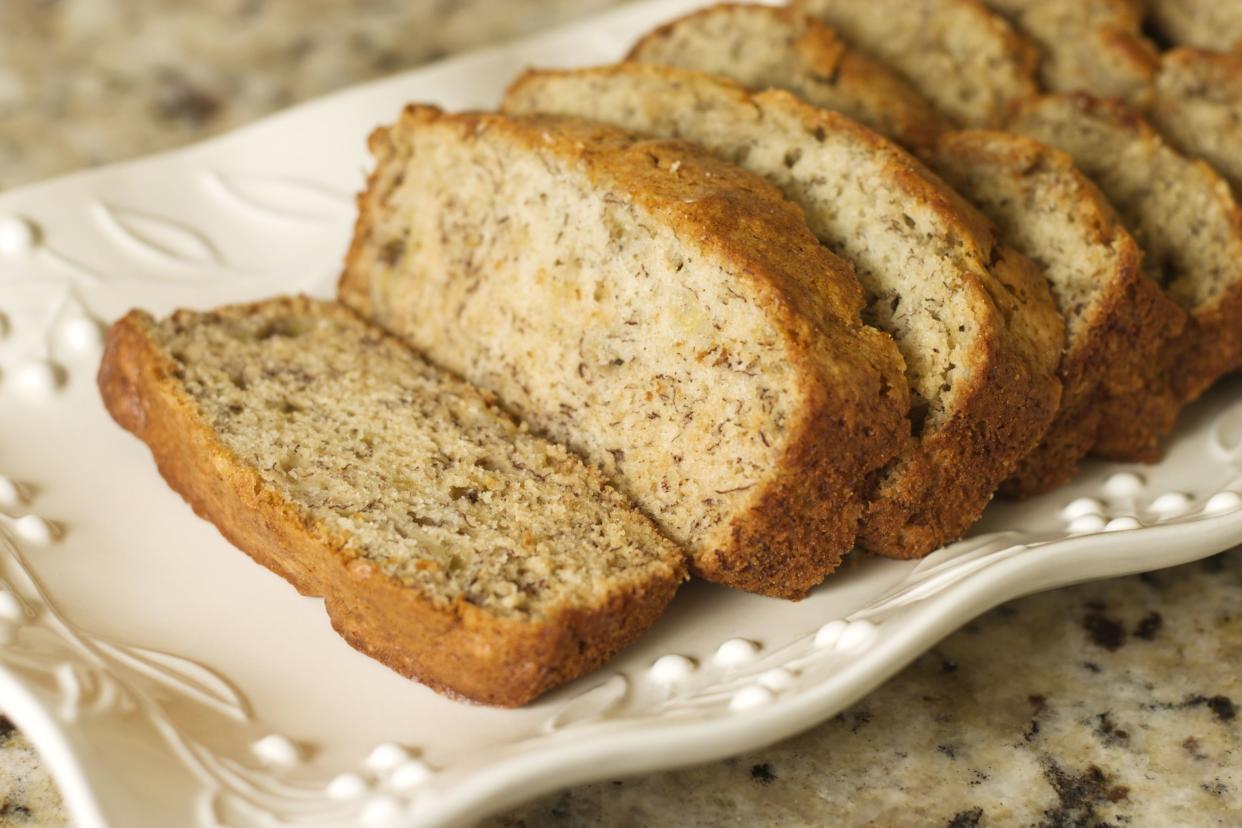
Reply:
x=1108 y=704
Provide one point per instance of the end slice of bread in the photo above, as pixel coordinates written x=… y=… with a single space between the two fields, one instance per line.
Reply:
x=765 y=47
x=974 y=321
x=1205 y=24
x=1094 y=46
x=446 y=541
x=965 y=59
x=1118 y=321
x=1186 y=220
x=1198 y=108
x=666 y=315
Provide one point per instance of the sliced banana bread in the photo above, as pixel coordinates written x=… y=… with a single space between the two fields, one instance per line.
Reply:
x=1094 y=46
x=1206 y=24
x=666 y=315
x=446 y=541
x=965 y=59
x=770 y=46
x=1186 y=220
x=1198 y=108
x=1118 y=321
x=979 y=332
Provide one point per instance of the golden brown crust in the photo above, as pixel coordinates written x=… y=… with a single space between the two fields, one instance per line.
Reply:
x=1127 y=325
x=1130 y=409
x=940 y=488
x=1135 y=417
x=854 y=421
x=461 y=649
x=826 y=72
x=1210 y=344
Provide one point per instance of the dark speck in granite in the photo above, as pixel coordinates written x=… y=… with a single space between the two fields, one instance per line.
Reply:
x=13 y=812
x=1222 y=707
x=762 y=773
x=1149 y=626
x=966 y=819
x=1215 y=787
x=855 y=719
x=1104 y=631
x=1078 y=795
x=177 y=98
x=1108 y=731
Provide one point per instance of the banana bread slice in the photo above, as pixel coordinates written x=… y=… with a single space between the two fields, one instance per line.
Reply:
x=770 y=46
x=965 y=59
x=1094 y=46
x=1198 y=108
x=1205 y=24
x=1186 y=220
x=666 y=315
x=974 y=321
x=1118 y=321
x=447 y=541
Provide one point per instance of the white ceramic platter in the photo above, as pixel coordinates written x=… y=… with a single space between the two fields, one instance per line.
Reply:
x=167 y=680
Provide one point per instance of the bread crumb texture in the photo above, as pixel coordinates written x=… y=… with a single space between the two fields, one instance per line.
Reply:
x=1094 y=46
x=965 y=59
x=1118 y=320
x=974 y=321
x=419 y=473
x=775 y=47
x=1180 y=210
x=1198 y=107
x=1206 y=24
x=666 y=315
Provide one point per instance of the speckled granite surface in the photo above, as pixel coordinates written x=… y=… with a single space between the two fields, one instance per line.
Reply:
x=1108 y=704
